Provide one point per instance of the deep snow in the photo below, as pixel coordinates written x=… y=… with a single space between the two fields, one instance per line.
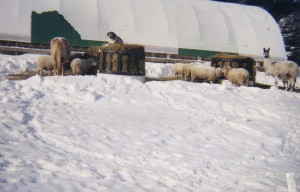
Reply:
x=117 y=133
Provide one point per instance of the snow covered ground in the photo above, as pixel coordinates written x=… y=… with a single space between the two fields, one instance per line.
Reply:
x=117 y=133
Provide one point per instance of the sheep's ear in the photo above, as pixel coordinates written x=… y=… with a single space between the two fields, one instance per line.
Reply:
x=268 y=50
x=264 y=49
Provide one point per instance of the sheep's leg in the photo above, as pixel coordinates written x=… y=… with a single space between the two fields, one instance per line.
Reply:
x=289 y=86
x=276 y=81
x=187 y=78
x=247 y=83
x=77 y=69
x=292 y=83
x=240 y=82
x=192 y=79
x=286 y=84
x=286 y=87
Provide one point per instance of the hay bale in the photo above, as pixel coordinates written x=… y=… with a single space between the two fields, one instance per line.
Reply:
x=127 y=59
x=229 y=56
x=94 y=51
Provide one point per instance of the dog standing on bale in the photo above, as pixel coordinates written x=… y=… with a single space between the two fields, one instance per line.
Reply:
x=60 y=53
x=113 y=39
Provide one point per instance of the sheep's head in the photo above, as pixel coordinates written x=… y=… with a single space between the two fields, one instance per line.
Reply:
x=219 y=72
x=259 y=66
x=92 y=61
x=226 y=69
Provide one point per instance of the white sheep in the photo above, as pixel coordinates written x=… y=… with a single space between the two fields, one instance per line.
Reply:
x=287 y=71
x=82 y=66
x=44 y=63
x=186 y=70
x=204 y=72
x=177 y=69
x=237 y=76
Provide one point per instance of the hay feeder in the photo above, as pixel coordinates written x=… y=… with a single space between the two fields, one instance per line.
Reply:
x=235 y=61
x=127 y=59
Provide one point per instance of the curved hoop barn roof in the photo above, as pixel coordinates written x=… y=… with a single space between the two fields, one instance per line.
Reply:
x=196 y=27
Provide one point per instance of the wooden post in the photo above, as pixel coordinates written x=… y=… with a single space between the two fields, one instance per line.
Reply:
x=119 y=65
x=129 y=64
x=291 y=182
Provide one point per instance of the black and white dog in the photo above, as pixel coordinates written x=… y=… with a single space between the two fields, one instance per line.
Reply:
x=113 y=39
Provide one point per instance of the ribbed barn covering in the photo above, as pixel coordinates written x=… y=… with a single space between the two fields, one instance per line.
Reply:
x=173 y=26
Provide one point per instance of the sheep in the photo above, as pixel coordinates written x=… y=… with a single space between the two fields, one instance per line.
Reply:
x=287 y=71
x=186 y=70
x=60 y=53
x=79 y=55
x=204 y=72
x=177 y=69
x=237 y=76
x=44 y=63
x=82 y=66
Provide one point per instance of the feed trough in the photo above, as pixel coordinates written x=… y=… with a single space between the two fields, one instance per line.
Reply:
x=127 y=59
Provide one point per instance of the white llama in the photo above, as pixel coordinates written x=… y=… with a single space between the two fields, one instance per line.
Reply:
x=287 y=71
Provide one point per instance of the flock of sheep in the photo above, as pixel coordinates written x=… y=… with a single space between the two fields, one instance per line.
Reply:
x=192 y=71
x=60 y=55
x=287 y=71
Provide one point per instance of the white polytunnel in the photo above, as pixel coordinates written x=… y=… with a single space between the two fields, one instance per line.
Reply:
x=194 y=27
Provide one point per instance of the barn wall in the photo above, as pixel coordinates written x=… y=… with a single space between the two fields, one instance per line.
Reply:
x=197 y=27
x=48 y=25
